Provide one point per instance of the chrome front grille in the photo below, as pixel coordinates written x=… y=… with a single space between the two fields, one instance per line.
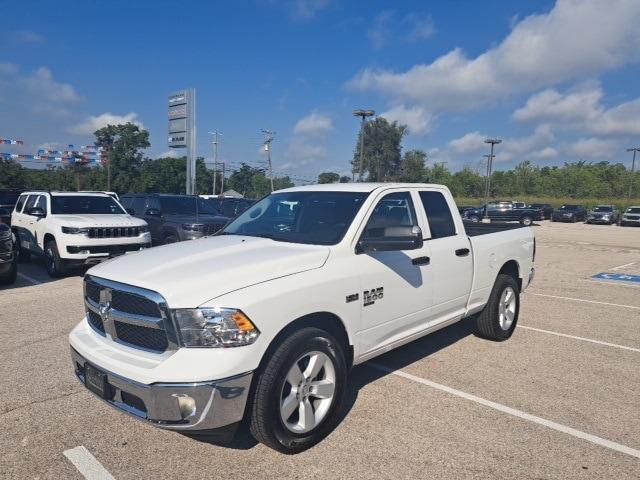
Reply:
x=130 y=315
x=113 y=232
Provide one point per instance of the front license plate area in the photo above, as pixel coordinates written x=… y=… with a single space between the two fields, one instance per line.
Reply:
x=96 y=381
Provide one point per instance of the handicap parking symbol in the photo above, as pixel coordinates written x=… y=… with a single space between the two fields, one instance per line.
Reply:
x=619 y=277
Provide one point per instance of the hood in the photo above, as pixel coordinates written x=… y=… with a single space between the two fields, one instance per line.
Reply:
x=188 y=274
x=83 y=220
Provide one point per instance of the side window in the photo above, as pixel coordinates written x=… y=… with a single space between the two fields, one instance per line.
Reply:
x=438 y=214
x=20 y=203
x=31 y=202
x=229 y=208
x=138 y=205
x=393 y=210
x=152 y=202
x=41 y=202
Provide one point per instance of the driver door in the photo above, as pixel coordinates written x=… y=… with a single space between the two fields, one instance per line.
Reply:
x=396 y=291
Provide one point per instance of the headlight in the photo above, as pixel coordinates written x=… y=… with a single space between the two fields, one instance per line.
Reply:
x=215 y=327
x=193 y=227
x=75 y=230
x=143 y=228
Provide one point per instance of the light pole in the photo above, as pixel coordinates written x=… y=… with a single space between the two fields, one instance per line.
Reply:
x=215 y=142
x=633 y=167
x=363 y=114
x=267 y=146
x=493 y=142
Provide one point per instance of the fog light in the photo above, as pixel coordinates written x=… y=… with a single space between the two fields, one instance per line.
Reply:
x=186 y=404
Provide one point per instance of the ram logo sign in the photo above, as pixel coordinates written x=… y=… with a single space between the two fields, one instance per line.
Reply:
x=370 y=296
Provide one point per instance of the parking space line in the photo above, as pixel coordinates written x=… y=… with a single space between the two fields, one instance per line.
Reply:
x=87 y=465
x=603 y=442
x=584 y=300
x=29 y=279
x=619 y=267
x=590 y=340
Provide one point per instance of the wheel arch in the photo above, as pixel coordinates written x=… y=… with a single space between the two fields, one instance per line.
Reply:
x=512 y=268
x=47 y=236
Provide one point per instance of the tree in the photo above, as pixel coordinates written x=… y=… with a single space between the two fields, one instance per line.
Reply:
x=344 y=179
x=252 y=182
x=382 y=150
x=121 y=145
x=328 y=177
x=412 y=168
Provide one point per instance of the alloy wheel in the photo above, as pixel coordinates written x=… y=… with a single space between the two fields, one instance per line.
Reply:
x=507 y=308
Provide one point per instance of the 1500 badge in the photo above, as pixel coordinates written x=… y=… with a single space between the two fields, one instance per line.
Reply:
x=370 y=296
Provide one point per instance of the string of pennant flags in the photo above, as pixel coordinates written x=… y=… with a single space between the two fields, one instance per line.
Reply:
x=83 y=154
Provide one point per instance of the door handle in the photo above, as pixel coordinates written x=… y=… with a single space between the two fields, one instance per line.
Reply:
x=420 y=260
x=462 y=252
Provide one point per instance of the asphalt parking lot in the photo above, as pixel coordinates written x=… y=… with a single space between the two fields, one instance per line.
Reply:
x=560 y=399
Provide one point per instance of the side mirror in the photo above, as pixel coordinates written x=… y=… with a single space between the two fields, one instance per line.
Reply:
x=37 y=212
x=153 y=212
x=130 y=211
x=393 y=239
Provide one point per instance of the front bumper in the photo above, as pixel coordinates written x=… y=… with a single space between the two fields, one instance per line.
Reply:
x=600 y=220
x=189 y=406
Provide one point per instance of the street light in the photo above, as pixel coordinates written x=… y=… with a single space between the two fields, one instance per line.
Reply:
x=633 y=167
x=363 y=114
x=493 y=142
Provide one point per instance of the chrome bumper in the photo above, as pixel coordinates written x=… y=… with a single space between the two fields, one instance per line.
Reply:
x=176 y=406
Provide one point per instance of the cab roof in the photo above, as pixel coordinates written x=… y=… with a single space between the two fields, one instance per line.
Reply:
x=357 y=187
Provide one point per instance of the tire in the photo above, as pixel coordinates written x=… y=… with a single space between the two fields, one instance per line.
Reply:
x=23 y=254
x=474 y=218
x=11 y=276
x=493 y=323
x=273 y=386
x=169 y=238
x=56 y=267
x=574 y=219
x=526 y=221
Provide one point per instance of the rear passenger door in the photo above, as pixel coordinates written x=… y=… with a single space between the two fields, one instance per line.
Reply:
x=451 y=259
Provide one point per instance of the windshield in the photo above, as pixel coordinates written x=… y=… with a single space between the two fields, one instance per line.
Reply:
x=180 y=205
x=90 y=204
x=603 y=208
x=633 y=210
x=569 y=207
x=318 y=218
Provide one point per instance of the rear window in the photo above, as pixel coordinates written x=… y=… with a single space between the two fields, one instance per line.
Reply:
x=438 y=214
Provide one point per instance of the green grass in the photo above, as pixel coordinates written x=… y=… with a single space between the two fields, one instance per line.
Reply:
x=621 y=204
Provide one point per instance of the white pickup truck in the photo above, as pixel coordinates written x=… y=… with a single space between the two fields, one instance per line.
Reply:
x=74 y=228
x=264 y=320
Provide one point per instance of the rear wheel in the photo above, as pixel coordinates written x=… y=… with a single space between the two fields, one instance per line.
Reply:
x=170 y=238
x=56 y=267
x=299 y=392
x=500 y=315
x=526 y=221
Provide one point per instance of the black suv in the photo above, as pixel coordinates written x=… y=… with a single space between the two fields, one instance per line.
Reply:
x=8 y=199
x=174 y=218
x=569 y=213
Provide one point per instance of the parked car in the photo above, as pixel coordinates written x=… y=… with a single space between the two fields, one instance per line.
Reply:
x=8 y=256
x=631 y=216
x=547 y=209
x=72 y=228
x=269 y=315
x=607 y=214
x=465 y=208
x=569 y=213
x=8 y=199
x=174 y=218
x=504 y=212
x=229 y=207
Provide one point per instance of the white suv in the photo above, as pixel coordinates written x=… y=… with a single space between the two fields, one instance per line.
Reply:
x=72 y=228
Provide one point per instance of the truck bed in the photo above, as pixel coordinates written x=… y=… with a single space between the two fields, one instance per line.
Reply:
x=474 y=229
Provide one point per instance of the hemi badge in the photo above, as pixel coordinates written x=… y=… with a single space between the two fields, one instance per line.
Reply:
x=352 y=298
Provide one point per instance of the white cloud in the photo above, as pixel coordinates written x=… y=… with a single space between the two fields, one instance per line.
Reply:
x=582 y=110
x=421 y=28
x=8 y=68
x=171 y=153
x=305 y=9
x=470 y=142
x=577 y=38
x=381 y=33
x=301 y=153
x=42 y=83
x=591 y=147
x=94 y=123
x=417 y=119
x=544 y=154
x=314 y=124
x=26 y=36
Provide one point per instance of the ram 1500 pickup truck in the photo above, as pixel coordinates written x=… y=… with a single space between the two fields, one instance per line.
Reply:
x=263 y=321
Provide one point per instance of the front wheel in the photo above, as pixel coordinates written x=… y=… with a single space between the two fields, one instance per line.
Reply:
x=55 y=265
x=526 y=221
x=299 y=391
x=500 y=315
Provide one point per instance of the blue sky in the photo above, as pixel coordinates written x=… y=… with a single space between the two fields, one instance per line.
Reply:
x=558 y=81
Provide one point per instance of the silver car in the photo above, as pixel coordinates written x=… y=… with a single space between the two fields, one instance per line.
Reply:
x=631 y=216
x=607 y=214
